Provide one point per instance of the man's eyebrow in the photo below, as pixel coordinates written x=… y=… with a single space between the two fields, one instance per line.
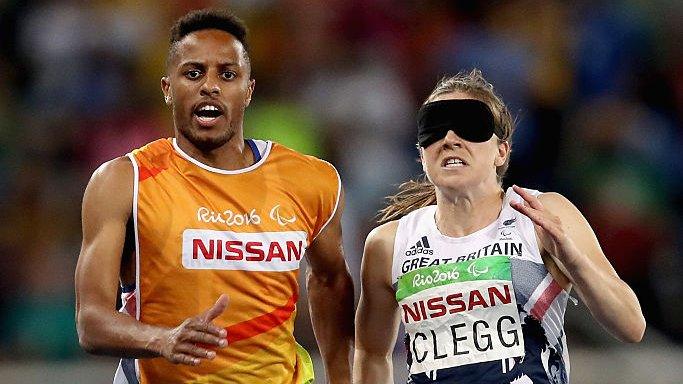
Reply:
x=191 y=63
x=198 y=64
x=228 y=64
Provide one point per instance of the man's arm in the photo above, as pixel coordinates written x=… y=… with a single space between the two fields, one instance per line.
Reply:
x=330 y=297
x=378 y=318
x=107 y=206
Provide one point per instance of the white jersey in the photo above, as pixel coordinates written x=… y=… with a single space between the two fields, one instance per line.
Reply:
x=481 y=308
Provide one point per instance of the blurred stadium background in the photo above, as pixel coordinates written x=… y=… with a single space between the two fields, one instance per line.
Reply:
x=597 y=88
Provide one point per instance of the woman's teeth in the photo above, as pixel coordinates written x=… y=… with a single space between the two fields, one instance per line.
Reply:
x=453 y=163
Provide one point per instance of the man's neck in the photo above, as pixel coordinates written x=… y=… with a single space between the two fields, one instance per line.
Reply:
x=231 y=156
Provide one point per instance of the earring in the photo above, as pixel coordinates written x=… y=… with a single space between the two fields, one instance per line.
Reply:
x=168 y=99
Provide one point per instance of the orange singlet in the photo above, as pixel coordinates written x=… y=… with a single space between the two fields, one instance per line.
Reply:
x=202 y=232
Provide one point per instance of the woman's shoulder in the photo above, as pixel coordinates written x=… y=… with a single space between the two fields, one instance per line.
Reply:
x=379 y=252
x=382 y=235
x=553 y=198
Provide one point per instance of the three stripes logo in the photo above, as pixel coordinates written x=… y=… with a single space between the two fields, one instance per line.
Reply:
x=420 y=248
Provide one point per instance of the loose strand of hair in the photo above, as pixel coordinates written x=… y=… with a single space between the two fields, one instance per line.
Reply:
x=411 y=195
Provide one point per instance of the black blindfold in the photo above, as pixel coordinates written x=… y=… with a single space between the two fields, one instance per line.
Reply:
x=470 y=119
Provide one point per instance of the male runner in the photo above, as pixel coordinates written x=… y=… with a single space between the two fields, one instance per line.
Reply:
x=205 y=232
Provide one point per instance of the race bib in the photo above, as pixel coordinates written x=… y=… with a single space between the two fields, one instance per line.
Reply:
x=460 y=313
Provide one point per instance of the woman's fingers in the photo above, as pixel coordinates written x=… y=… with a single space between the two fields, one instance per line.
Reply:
x=541 y=218
x=528 y=197
x=527 y=211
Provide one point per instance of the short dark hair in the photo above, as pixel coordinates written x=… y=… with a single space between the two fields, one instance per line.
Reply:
x=209 y=18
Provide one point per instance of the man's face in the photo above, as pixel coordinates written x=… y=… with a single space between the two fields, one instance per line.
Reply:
x=208 y=87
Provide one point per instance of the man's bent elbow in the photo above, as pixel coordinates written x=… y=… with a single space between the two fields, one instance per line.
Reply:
x=86 y=343
x=86 y=334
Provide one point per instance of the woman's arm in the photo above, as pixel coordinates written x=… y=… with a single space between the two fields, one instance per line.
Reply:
x=377 y=317
x=569 y=239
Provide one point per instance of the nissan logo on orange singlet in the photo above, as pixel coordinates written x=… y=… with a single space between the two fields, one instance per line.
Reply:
x=227 y=250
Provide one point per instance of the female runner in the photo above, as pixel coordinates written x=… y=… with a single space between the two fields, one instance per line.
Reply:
x=479 y=276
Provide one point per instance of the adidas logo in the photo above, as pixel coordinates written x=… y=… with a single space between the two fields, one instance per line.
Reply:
x=420 y=248
x=509 y=221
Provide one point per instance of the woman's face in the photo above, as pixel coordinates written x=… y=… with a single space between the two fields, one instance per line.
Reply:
x=456 y=164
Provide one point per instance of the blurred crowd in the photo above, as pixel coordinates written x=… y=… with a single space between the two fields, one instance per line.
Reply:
x=596 y=88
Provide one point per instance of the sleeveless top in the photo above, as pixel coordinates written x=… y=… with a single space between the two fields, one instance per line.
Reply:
x=481 y=308
x=201 y=232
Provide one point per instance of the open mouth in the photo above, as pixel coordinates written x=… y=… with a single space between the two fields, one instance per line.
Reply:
x=207 y=113
x=453 y=162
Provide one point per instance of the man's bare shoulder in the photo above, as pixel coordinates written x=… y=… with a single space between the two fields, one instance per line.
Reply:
x=111 y=186
x=118 y=168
